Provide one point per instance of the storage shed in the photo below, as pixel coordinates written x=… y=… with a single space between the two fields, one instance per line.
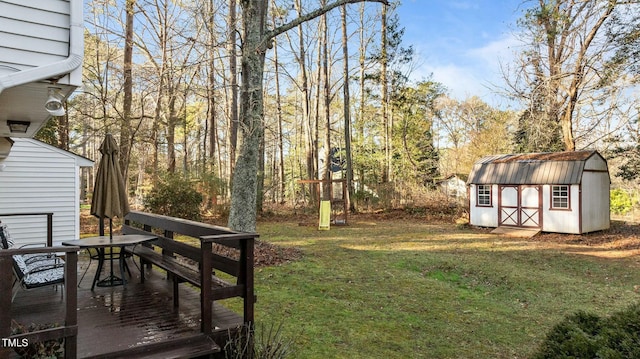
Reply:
x=454 y=185
x=38 y=178
x=565 y=192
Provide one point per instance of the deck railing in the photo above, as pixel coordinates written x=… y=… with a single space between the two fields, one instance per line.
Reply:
x=241 y=267
x=49 y=222
x=68 y=331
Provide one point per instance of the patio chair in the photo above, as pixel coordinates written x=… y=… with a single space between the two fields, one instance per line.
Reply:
x=32 y=270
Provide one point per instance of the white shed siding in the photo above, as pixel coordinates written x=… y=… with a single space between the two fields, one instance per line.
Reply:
x=34 y=32
x=595 y=195
x=595 y=201
x=483 y=216
x=41 y=178
x=561 y=221
x=595 y=163
x=585 y=172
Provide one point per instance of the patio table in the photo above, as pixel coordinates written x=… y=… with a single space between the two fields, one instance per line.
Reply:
x=102 y=242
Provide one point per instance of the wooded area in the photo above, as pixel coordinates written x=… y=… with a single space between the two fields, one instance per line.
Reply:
x=337 y=98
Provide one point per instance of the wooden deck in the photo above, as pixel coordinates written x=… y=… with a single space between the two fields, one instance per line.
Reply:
x=135 y=320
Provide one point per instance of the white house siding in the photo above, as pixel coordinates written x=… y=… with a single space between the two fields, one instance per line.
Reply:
x=561 y=221
x=41 y=178
x=483 y=216
x=34 y=32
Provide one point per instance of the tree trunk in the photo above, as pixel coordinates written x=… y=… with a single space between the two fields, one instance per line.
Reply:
x=261 y=175
x=233 y=73
x=386 y=174
x=347 y=110
x=171 y=130
x=360 y=120
x=242 y=214
x=326 y=189
x=63 y=131
x=281 y=173
x=310 y=139
x=125 y=126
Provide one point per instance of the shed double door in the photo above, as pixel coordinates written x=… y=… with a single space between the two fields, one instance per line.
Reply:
x=520 y=206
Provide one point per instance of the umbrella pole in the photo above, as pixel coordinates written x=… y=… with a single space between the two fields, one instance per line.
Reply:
x=112 y=280
x=112 y=277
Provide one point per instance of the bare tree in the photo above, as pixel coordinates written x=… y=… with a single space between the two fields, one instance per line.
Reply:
x=257 y=40
x=347 y=109
x=125 y=126
x=563 y=64
x=281 y=172
x=233 y=84
x=384 y=96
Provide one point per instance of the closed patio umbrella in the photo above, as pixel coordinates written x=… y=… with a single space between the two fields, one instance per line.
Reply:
x=109 y=192
x=109 y=196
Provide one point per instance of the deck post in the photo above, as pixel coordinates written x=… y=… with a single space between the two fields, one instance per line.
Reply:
x=205 y=289
x=49 y=229
x=246 y=268
x=71 y=310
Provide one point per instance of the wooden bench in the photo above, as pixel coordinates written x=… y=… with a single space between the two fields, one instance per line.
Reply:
x=219 y=249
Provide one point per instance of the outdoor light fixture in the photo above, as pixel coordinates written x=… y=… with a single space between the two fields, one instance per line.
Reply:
x=54 y=103
x=18 y=126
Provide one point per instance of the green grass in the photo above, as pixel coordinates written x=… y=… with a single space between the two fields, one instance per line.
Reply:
x=413 y=290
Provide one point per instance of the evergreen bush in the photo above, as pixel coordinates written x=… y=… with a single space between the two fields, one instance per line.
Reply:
x=174 y=196
x=585 y=335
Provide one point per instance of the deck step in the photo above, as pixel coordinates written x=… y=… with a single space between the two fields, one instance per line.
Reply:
x=517 y=231
x=191 y=347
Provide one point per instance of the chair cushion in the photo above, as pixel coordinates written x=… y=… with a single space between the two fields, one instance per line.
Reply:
x=20 y=264
x=44 y=276
x=35 y=261
x=31 y=263
x=6 y=241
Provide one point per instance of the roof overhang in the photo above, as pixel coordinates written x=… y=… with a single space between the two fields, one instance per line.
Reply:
x=25 y=82
x=25 y=103
x=532 y=168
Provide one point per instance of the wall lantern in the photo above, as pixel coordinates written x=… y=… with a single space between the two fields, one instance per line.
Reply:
x=18 y=126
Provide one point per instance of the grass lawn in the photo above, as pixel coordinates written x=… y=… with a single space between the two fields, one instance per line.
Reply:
x=409 y=289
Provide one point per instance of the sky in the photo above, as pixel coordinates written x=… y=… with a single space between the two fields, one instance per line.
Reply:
x=462 y=43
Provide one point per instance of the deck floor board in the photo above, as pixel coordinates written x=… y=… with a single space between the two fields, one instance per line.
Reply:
x=113 y=319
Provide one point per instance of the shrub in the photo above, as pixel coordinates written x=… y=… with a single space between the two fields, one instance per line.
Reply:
x=621 y=201
x=174 y=196
x=584 y=335
x=267 y=343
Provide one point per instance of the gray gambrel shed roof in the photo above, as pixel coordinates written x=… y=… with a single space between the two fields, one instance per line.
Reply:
x=532 y=168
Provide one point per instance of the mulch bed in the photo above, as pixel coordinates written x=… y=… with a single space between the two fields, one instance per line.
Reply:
x=267 y=254
x=621 y=236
